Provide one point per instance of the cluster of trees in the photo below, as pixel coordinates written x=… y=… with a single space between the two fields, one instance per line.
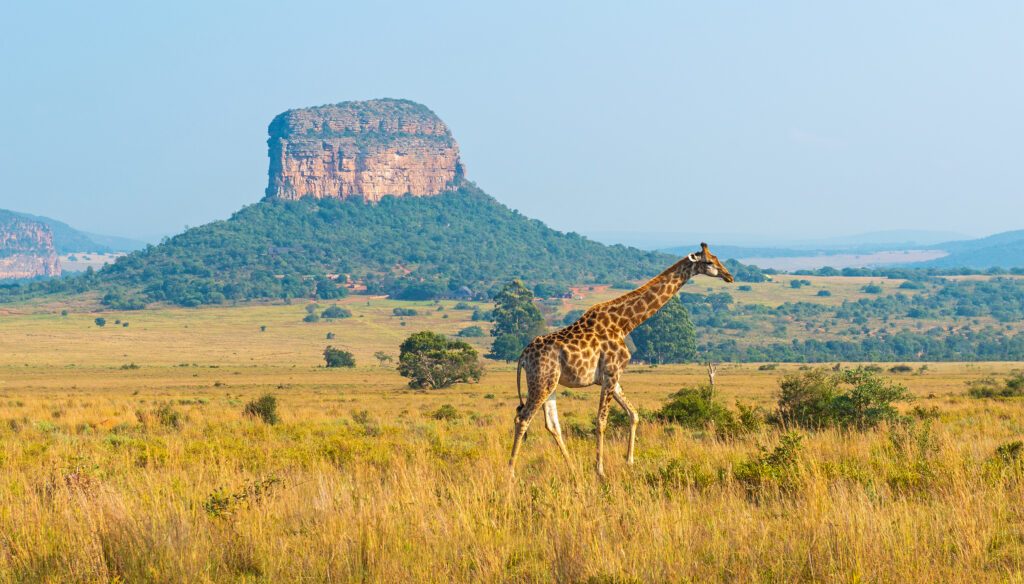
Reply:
x=941 y=321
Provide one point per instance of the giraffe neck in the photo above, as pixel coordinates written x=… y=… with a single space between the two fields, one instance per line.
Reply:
x=641 y=304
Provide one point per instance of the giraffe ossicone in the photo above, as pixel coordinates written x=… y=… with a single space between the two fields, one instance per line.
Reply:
x=592 y=351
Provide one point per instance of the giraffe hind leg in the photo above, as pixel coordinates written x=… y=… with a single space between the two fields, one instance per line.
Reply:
x=538 y=385
x=552 y=426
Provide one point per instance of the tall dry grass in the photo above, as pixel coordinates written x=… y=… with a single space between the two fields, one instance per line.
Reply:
x=100 y=486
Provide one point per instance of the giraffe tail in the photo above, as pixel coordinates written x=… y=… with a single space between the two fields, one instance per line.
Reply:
x=519 y=385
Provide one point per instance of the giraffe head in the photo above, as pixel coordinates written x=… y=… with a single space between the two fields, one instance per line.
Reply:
x=707 y=263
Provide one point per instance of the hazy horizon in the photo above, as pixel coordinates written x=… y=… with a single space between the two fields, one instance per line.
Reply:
x=788 y=122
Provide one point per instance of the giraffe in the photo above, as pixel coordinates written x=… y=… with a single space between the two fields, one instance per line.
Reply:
x=592 y=351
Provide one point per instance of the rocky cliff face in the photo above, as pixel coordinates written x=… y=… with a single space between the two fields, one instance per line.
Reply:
x=365 y=149
x=26 y=249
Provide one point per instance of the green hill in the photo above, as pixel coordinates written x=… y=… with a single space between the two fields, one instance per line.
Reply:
x=462 y=242
x=1002 y=250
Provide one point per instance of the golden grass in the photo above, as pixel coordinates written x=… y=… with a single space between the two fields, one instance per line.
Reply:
x=94 y=488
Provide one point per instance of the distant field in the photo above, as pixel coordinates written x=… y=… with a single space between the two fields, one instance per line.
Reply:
x=81 y=261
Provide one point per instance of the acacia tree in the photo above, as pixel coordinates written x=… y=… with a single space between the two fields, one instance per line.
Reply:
x=666 y=337
x=516 y=321
x=433 y=361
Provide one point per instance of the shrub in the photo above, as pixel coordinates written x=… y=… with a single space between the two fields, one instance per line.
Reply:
x=64 y=312
x=312 y=307
x=824 y=293
x=462 y=306
x=433 y=361
x=696 y=408
x=336 y=312
x=913 y=449
x=404 y=312
x=744 y=287
x=311 y=317
x=778 y=468
x=330 y=336
x=820 y=398
x=100 y=321
x=901 y=369
x=485 y=315
x=446 y=413
x=471 y=332
x=871 y=288
x=338 y=358
x=1012 y=386
x=263 y=328
x=264 y=408
x=767 y=367
x=169 y=417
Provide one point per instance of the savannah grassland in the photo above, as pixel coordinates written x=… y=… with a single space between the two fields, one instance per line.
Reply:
x=361 y=482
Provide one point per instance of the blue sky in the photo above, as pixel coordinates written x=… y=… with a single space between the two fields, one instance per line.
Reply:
x=774 y=120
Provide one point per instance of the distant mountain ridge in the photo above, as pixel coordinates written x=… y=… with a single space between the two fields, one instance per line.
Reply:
x=26 y=249
x=1001 y=250
x=67 y=239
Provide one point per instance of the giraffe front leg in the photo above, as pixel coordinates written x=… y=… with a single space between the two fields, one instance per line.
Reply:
x=602 y=423
x=634 y=419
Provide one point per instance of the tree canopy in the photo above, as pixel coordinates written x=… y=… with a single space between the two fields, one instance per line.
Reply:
x=516 y=321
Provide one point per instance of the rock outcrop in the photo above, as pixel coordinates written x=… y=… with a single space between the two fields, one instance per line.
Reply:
x=26 y=249
x=365 y=149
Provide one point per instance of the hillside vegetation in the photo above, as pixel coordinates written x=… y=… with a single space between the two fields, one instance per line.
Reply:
x=409 y=247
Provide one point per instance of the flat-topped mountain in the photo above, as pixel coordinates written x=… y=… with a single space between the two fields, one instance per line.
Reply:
x=26 y=248
x=361 y=149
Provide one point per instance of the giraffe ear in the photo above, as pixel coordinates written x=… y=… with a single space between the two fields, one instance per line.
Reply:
x=693 y=258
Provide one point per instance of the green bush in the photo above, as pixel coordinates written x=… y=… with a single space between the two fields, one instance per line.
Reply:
x=169 y=417
x=404 y=311
x=778 y=468
x=446 y=413
x=100 y=321
x=824 y=293
x=338 y=358
x=471 y=332
x=821 y=397
x=311 y=317
x=1012 y=386
x=433 y=361
x=695 y=407
x=336 y=312
x=264 y=408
